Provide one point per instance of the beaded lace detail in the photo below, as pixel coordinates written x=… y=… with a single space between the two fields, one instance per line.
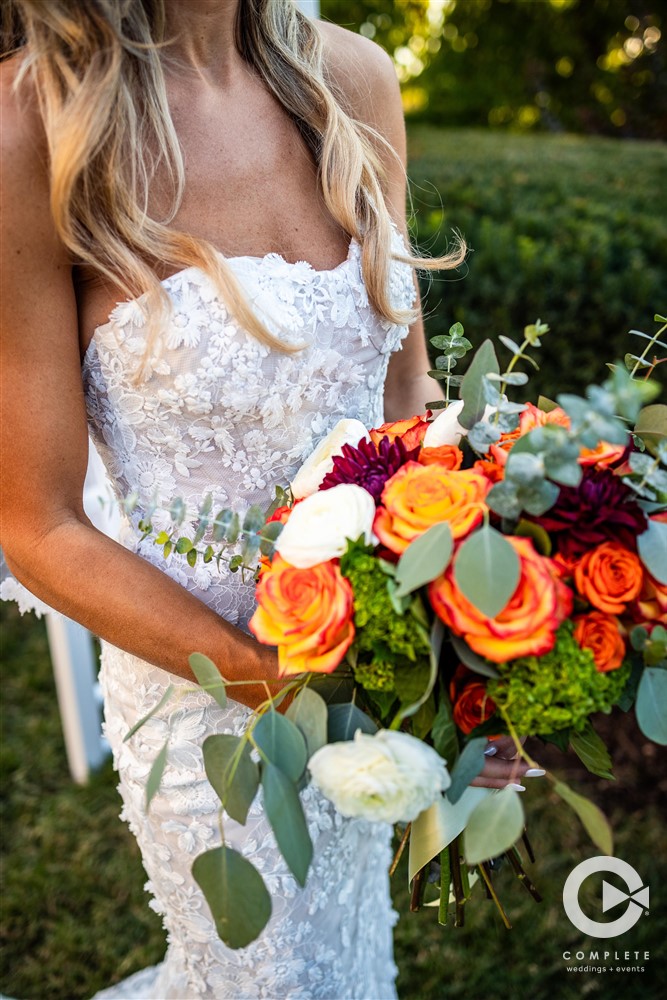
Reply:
x=223 y=414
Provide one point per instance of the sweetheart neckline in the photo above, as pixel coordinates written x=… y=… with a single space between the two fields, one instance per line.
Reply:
x=272 y=256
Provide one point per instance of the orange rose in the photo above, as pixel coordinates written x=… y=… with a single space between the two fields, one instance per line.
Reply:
x=410 y=431
x=306 y=613
x=603 y=455
x=281 y=514
x=470 y=703
x=419 y=496
x=533 y=417
x=600 y=633
x=527 y=624
x=447 y=456
x=650 y=606
x=609 y=576
x=493 y=472
x=529 y=419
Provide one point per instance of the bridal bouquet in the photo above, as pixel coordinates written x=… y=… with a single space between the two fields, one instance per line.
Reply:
x=430 y=584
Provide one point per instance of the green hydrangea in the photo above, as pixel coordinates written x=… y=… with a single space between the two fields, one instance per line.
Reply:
x=559 y=690
x=383 y=637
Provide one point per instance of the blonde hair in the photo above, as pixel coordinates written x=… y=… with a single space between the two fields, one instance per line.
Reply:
x=98 y=72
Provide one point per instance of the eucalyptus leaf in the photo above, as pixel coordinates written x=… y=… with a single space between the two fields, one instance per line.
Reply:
x=336 y=688
x=652 y=548
x=651 y=704
x=472 y=387
x=285 y=814
x=424 y=559
x=235 y=892
x=591 y=751
x=234 y=529
x=444 y=732
x=471 y=659
x=208 y=677
x=232 y=772
x=594 y=820
x=183 y=545
x=344 y=720
x=509 y=344
x=253 y=520
x=308 y=712
x=149 y=715
x=466 y=768
x=221 y=524
x=155 y=774
x=281 y=743
x=493 y=826
x=487 y=570
x=411 y=680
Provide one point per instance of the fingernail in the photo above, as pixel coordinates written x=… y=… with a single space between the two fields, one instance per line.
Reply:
x=490 y=751
x=534 y=772
x=516 y=786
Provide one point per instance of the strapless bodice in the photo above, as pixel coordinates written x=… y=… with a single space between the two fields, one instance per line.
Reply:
x=220 y=412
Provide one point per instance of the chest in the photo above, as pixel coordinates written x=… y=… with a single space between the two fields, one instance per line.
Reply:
x=251 y=188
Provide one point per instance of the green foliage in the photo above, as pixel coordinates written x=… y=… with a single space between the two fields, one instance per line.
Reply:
x=594 y=820
x=494 y=825
x=343 y=721
x=382 y=636
x=559 y=227
x=576 y=65
x=591 y=751
x=557 y=690
x=486 y=570
x=237 y=897
x=288 y=822
x=424 y=559
x=308 y=712
x=467 y=767
x=232 y=772
x=651 y=704
x=208 y=676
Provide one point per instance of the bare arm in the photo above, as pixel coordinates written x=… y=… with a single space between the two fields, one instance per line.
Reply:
x=48 y=542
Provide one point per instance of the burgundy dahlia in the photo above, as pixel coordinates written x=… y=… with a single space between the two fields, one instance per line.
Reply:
x=601 y=508
x=369 y=466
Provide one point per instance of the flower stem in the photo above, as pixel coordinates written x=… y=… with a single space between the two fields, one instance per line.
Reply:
x=401 y=848
x=656 y=336
x=484 y=872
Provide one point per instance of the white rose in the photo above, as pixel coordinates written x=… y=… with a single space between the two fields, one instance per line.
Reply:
x=315 y=468
x=390 y=777
x=319 y=527
x=446 y=429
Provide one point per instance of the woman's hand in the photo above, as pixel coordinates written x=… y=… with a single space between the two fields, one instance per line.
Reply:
x=504 y=766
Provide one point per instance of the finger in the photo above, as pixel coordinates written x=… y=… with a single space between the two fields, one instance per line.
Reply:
x=503 y=746
x=482 y=782
x=504 y=770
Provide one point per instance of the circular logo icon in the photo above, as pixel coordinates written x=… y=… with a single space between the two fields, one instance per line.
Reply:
x=636 y=896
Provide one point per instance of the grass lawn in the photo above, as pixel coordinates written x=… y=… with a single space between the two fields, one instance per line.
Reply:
x=74 y=916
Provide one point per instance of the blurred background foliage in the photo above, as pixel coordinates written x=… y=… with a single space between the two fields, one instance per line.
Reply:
x=591 y=66
x=532 y=128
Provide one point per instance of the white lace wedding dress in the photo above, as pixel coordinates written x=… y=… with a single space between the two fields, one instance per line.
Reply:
x=223 y=414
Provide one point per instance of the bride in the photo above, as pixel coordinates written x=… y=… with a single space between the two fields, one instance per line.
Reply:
x=205 y=265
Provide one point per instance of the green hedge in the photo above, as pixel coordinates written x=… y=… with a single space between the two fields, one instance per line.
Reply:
x=571 y=230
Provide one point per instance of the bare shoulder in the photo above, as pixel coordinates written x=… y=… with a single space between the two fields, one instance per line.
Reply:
x=28 y=228
x=364 y=75
x=22 y=132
